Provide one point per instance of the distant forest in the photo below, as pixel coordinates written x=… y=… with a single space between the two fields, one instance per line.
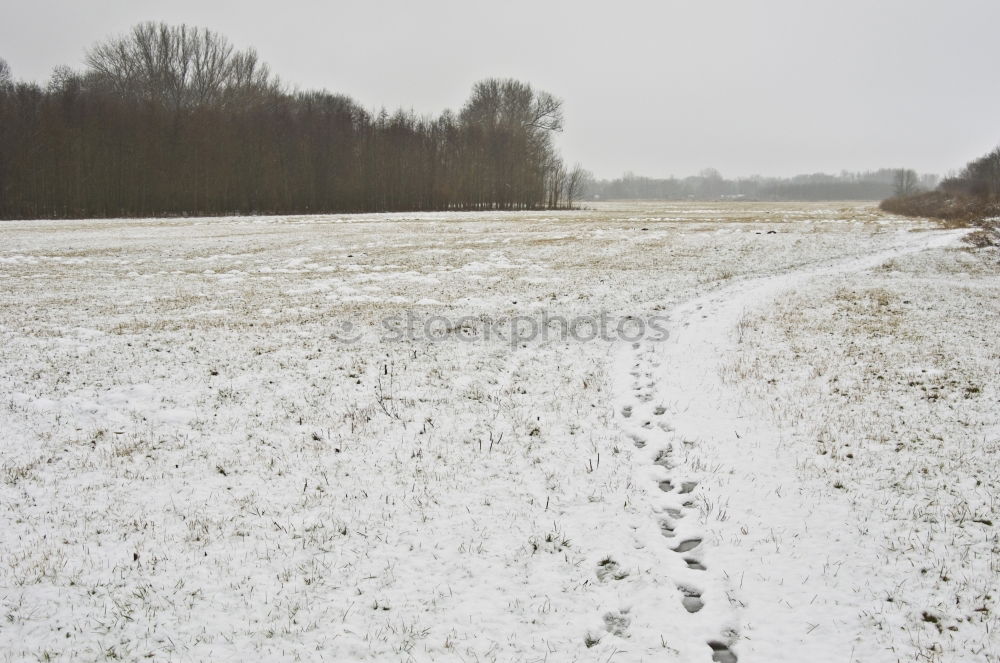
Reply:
x=710 y=185
x=172 y=120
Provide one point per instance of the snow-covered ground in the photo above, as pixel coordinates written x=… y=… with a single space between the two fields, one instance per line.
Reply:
x=396 y=437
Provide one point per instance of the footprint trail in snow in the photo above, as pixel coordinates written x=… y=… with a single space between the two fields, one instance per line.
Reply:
x=671 y=403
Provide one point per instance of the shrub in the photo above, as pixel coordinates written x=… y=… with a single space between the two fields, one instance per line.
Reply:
x=942 y=205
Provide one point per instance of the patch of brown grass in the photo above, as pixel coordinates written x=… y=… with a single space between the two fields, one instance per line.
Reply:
x=955 y=210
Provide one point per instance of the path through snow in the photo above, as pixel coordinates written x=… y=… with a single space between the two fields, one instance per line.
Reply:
x=763 y=564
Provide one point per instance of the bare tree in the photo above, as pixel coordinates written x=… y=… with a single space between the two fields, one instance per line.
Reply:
x=63 y=78
x=982 y=176
x=179 y=67
x=905 y=182
x=6 y=78
x=512 y=103
x=509 y=127
x=556 y=183
x=576 y=183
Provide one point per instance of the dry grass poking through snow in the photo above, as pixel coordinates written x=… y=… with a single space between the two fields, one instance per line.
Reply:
x=888 y=383
x=196 y=466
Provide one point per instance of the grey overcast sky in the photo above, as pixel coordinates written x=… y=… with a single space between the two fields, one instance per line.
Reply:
x=659 y=88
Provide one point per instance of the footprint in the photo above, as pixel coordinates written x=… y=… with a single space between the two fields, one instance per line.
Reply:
x=675 y=514
x=687 y=544
x=721 y=653
x=627 y=411
x=666 y=529
x=666 y=486
x=692 y=599
x=694 y=564
x=665 y=427
x=609 y=568
x=688 y=486
x=659 y=410
x=617 y=623
x=663 y=459
x=638 y=441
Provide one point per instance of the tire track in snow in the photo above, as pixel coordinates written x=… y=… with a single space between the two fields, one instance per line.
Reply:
x=675 y=408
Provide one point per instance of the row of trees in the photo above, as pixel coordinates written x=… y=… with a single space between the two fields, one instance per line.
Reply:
x=971 y=195
x=980 y=178
x=711 y=185
x=175 y=120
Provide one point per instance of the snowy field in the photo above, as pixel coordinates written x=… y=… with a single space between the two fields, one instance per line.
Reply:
x=646 y=432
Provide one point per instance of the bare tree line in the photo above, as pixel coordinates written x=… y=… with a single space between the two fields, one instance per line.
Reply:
x=971 y=195
x=980 y=179
x=709 y=184
x=179 y=67
x=174 y=120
